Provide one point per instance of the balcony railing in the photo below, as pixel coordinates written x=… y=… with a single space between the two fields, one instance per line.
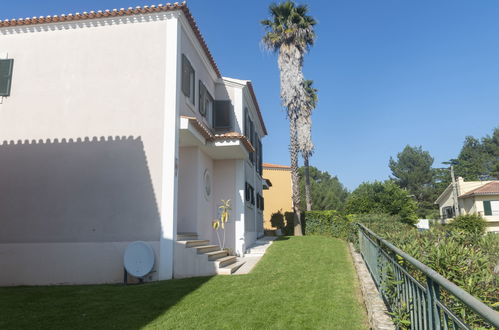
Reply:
x=428 y=305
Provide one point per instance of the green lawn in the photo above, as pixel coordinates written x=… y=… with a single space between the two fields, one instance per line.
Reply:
x=301 y=283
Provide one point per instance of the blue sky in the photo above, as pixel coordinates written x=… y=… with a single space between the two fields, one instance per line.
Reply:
x=389 y=73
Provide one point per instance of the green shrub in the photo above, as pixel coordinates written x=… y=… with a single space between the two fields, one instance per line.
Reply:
x=465 y=257
x=470 y=223
x=283 y=221
x=328 y=223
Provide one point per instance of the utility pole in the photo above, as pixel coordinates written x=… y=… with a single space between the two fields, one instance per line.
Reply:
x=454 y=191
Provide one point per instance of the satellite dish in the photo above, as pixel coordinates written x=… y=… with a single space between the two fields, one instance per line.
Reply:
x=138 y=259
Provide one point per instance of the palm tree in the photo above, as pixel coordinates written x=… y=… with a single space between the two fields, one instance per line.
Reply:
x=305 y=144
x=290 y=33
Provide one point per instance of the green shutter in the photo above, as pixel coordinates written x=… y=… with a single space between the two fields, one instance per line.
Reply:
x=186 y=84
x=5 y=76
x=487 y=208
x=202 y=102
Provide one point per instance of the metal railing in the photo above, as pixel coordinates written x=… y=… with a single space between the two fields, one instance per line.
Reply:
x=414 y=304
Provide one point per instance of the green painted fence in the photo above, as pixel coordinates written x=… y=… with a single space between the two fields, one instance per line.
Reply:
x=414 y=304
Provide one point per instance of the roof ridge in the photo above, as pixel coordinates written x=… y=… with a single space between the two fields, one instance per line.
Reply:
x=481 y=188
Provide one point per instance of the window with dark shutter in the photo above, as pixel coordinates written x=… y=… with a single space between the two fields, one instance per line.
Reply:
x=188 y=79
x=262 y=204
x=6 y=76
x=205 y=101
x=246 y=192
x=222 y=116
x=251 y=138
x=260 y=158
x=252 y=195
x=487 y=208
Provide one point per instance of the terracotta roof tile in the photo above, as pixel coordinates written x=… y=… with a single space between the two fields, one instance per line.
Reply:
x=119 y=12
x=284 y=167
x=491 y=188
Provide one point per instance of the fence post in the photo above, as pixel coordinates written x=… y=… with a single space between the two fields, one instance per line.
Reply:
x=433 y=295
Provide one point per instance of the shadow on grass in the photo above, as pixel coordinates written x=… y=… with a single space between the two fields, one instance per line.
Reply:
x=92 y=306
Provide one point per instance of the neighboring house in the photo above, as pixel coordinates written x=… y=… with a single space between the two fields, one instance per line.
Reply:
x=116 y=126
x=474 y=197
x=278 y=198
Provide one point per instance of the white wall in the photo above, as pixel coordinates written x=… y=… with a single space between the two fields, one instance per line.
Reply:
x=89 y=79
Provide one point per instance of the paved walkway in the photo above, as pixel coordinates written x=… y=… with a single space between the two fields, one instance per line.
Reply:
x=254 y=253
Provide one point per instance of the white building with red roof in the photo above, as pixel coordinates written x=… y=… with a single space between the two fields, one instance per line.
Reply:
x=117 y=126
x=474 y=197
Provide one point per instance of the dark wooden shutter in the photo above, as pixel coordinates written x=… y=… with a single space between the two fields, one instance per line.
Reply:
x=6 y=76
x=487 y=208
x=260 y=158
x=202 y=101
x=222 y=117
x=186 y=76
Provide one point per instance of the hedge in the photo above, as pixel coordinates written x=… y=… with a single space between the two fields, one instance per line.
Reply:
x=328 y=223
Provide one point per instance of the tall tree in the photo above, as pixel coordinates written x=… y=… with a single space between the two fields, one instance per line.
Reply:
x=327 y=192
x=412 y=171
x=382 y=197
x=305 y=144
x=479 y=160
x=290 y=33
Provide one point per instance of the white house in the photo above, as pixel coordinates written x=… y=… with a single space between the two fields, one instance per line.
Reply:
x=116 y=126
x=473 y=197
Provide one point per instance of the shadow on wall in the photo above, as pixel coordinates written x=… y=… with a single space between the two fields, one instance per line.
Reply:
x=97 y=190
x=283 y=221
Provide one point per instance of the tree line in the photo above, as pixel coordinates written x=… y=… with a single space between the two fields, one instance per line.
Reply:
x=414 y=184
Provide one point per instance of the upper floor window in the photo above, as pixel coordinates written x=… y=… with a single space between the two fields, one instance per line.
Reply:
x=188 y=79
x=222 y=116
x=205 y=101
x=249 y=132
x=6 y=66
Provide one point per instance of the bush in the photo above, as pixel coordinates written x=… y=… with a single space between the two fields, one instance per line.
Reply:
x=328 y=223
x=466 y=257
x=470 y=223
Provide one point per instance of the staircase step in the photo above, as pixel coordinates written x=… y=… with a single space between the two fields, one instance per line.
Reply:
x=230 y=269
x=187 y=236
x=212 y=256
x=196 y=242
x=222 y=262
x=206 y=248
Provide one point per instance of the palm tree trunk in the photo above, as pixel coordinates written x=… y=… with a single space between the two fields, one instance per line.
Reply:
x=295 y=179
x=307 y=184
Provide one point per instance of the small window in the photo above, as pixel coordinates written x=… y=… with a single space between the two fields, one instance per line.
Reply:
x=6 y=76
x=205 y=101
x=188 y=79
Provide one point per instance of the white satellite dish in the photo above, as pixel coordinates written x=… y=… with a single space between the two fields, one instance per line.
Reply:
x=138 y=259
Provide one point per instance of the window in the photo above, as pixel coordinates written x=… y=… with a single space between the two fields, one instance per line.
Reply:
x=6 y=76
x=491 y=207
x=188 y=79
x=448 y=212
x=222 y=116
x=259 y=202
x=249 y=193
x=205 y=101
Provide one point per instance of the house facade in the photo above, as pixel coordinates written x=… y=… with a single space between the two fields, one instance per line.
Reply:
x=117 y=126
x=473 y=197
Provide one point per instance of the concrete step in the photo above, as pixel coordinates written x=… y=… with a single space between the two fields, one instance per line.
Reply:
x=222 y=262
x=230 y=269
x=206 y=248
x=187 y=236
x=212 y=256
x=196 y=242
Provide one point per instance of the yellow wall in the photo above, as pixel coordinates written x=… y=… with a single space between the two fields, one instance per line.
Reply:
x=278 y=197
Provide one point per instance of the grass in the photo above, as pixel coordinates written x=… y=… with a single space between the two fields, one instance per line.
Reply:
x=301 y=283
